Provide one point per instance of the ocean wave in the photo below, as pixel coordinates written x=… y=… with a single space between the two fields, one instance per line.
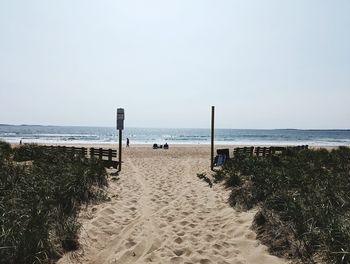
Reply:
x=95 y=135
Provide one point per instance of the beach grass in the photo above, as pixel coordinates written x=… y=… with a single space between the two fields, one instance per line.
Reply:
x=40 y=196
x=304 y=197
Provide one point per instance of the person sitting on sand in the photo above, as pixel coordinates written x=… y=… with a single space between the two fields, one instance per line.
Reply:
x=166 y=146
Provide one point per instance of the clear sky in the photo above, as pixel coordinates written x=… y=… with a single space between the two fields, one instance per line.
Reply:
x=263 y=64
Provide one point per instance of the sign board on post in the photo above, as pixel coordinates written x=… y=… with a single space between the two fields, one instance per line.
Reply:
x=120 y=127
x=120 y=124
x=120 y=118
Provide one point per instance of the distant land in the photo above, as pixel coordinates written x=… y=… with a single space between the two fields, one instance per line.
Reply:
x=277 y=129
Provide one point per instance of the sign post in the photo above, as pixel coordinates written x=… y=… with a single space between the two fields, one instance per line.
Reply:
x=212 y=138
x=120 y=127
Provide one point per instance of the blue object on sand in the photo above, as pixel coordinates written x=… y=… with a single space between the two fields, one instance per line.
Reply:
x=219 y=160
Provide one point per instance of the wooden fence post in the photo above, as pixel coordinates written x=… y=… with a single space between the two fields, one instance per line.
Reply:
x=110 y=155
x=100 y=154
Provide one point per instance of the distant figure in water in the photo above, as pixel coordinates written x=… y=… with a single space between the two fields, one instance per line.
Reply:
x=20 y=142
x=127 y=142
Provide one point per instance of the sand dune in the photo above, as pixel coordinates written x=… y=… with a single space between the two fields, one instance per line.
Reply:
x=160 y=212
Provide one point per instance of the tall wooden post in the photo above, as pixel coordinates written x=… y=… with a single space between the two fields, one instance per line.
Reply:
x=212 y=138
x=120 y=127
x=120 y=150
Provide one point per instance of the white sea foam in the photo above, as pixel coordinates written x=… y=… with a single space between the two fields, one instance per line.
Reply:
x=98 y=135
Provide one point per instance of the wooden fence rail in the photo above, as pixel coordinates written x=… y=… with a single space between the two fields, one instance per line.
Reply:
x=99 y=153
x=74 y=150
x=244 y=150
x=266 y=151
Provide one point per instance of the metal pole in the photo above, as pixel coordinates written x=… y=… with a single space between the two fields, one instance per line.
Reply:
x=120 y=150
x=212 y=138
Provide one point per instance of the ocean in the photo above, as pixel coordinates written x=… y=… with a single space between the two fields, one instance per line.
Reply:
x=108 y=135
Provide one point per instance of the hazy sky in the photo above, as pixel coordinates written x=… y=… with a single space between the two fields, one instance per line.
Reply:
x=263 y=64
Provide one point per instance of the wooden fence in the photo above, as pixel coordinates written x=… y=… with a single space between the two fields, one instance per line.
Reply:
x=100 y=153
x=104 y=155
x=265 y=151
x=74 y=150
x=244 y=150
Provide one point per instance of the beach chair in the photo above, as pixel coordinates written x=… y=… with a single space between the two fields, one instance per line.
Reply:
x=221 y=157
x=224 y=152
x=219 y=160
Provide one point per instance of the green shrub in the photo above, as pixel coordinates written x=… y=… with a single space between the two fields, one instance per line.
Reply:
x=5 y=150
x=39 y=203
x=27 y=152
x=308 y=190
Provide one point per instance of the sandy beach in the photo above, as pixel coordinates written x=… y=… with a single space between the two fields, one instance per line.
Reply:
x=160 y=212
x=269 y=78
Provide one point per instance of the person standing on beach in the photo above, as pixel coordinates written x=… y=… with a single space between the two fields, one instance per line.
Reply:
x=127 y=142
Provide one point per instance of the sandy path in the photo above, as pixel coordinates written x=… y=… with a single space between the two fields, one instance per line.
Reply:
x=160 y=212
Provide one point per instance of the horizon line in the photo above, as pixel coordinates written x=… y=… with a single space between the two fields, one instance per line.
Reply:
x=136 y=127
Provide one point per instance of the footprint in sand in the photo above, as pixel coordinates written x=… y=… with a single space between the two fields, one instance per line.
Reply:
x=170 y=219
x=217 y=246
x=181 y=233
x=178 y=240
x=130 y=244
x=162 y=225
x=96 y=223
x=176 y=260
x=209 y=238
x=178 y=252
x=108 y=211
x=183 y=223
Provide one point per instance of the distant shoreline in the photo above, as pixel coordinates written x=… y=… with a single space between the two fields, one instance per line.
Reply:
x=184 y=128
x=144 y=136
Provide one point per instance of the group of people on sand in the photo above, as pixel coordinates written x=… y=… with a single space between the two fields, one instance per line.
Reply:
x=155 y=146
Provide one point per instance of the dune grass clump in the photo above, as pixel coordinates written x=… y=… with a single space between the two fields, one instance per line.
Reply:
x=40 y=201
x=307 y=191
x=28 y=152
x=203 y=176
x=5 y=150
